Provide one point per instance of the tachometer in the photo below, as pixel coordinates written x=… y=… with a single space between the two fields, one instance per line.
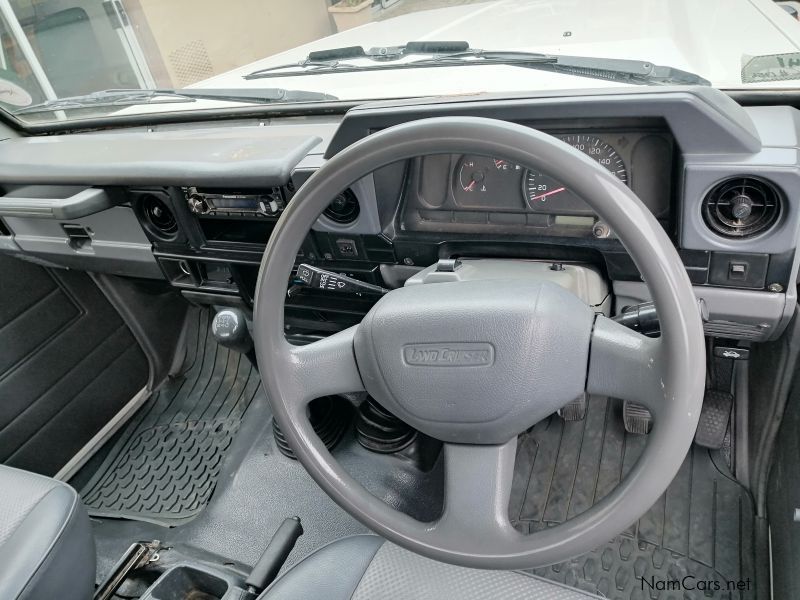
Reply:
x=543 y=193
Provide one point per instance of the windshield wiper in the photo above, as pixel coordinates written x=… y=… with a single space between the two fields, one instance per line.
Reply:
x=132 y=97
x=450 y=54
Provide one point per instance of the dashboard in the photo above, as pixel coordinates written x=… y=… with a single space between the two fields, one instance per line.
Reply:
x=193 y=205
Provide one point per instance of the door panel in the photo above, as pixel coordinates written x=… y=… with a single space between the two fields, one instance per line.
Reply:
x=68 y=364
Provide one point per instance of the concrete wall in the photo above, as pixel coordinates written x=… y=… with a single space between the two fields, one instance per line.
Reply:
x=190 y=40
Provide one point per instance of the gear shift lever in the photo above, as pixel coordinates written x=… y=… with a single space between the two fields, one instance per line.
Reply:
x=229 y=328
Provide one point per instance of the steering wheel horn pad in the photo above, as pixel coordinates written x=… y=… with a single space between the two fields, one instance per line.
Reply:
x=472 y=363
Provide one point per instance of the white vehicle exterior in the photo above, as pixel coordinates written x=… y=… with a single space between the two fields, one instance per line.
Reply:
x=705 y=37
x=712 y=38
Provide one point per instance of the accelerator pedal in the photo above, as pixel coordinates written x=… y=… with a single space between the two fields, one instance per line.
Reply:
x=637 y=418
x=574 y=410
x=714 y=419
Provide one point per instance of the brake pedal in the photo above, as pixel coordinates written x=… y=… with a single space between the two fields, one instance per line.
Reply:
x=714 y=419
x=637 y=418
x=574 y=410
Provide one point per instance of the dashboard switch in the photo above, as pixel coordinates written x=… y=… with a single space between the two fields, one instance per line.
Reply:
x=347 y=248
x=738 y=270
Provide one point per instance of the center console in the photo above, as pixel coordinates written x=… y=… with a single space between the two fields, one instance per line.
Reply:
x=209 y=242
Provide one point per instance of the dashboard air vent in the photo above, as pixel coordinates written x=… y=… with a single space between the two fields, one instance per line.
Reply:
x=159 y=217
x=742 y=207
x=344 y=209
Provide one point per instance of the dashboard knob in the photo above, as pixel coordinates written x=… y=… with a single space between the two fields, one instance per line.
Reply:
x=601 y=230
x=198 y=205
x=742 y=207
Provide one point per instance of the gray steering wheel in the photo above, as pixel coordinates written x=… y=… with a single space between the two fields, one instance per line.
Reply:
x=515 y=351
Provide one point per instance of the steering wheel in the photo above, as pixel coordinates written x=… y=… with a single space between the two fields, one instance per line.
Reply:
x=474 y=364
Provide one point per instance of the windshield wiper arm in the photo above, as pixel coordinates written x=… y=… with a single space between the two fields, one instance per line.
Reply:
x=132 y=97
x=449 y=54
x=637 y=72
x=332 y=57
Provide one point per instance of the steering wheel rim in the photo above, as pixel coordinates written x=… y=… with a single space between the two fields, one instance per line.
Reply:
x=666 y=374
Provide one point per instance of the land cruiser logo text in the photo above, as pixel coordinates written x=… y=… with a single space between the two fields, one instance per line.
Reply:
x=449 y=355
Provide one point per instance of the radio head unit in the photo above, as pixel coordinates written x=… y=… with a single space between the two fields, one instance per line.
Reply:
x=236 y=204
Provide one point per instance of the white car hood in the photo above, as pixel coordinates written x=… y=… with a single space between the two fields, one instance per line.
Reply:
x=707 y=37
x=712 y=38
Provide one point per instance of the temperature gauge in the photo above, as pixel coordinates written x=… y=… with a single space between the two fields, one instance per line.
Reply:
x=486 y=181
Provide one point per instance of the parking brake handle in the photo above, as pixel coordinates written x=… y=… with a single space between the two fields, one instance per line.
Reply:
x=276 y=553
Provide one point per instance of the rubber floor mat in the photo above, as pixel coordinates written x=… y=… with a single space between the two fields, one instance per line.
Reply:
x=701 y=528
x=164 y=466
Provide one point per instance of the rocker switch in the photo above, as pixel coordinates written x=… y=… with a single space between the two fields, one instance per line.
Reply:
x=737 y=271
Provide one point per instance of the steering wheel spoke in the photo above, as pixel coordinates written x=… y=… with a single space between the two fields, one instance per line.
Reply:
x=627 y=365
x=325 y=367
x=476 y=495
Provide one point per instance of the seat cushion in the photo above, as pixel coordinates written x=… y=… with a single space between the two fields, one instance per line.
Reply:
x=364 y=567
x=46 y=544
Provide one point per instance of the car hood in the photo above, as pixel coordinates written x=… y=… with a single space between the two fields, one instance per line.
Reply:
x=705 y=37
x=713 y=38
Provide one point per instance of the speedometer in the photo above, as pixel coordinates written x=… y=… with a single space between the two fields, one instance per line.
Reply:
x=545 y=194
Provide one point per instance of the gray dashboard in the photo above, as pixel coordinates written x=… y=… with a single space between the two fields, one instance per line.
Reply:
x=710 y=139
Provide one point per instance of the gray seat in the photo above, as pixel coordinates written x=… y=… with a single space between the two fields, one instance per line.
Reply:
x=365 y=567
x=46 y=544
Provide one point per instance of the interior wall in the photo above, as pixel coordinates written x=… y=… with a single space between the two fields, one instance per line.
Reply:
x=187 y=33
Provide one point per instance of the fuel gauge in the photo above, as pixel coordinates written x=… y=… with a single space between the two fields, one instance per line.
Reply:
x=486 y=181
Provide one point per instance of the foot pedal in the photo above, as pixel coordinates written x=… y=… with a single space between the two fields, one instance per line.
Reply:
x=637 y=418
x=575 y=410
x=714 y=419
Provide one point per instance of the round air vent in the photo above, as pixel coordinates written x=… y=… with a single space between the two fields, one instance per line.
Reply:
x=742 y=207
x=159 y=218
x=344 y=208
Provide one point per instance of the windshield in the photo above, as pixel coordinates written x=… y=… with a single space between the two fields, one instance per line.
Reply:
x=75 y=59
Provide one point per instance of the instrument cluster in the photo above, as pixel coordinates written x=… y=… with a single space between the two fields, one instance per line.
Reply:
x=481 y=180
x=490 y=194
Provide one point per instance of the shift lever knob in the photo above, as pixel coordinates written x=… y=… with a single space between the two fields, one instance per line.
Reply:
x=229 y=328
